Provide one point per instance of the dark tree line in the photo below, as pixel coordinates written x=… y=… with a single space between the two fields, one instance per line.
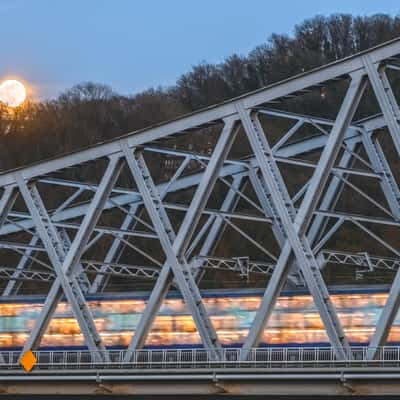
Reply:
x=89 y=113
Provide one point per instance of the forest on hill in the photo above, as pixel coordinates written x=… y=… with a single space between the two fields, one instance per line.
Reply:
x=89 y=112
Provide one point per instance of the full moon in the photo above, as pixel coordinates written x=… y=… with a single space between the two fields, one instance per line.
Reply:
x=12 y=93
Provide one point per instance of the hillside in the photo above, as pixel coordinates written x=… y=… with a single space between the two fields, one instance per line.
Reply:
x=89 y=113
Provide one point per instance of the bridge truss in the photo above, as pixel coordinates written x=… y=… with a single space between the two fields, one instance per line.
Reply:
x=163 y=205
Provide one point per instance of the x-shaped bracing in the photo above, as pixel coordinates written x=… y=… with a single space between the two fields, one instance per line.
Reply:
x=295 y=225
x=175 y=246
x=65 y=262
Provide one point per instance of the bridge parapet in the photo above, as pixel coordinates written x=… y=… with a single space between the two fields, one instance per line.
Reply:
x=264 y=358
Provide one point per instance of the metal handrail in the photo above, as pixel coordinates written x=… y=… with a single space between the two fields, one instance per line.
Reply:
x=270 y=357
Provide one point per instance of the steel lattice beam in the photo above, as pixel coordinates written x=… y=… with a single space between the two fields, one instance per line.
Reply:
x=58 y=239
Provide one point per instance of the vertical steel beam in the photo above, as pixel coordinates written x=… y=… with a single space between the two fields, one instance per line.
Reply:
x=295 y=227
x=186 y=229
x=64 y=262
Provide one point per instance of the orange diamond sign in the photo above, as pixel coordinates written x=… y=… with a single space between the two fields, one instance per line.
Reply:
x=28 y=361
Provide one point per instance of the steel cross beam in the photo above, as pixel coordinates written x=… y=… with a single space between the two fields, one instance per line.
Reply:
x=380 y=167
x=12 y=283
x=121 y=270
x=264 y=196
x=130 y=222
x=79 y=274
x=331 y=196
x=197 y=264
x=7 y=273
x=115 y=247
x=362 y=259
x=328 y=202
x=176 y=262
x=231 y=264
x=129 y=196
x=218 y=225
x=185 y=232
x=124 y=270
x=62 y=223
x=129 y=217
x=350 y=144
x=295 y=225
x=65 y=262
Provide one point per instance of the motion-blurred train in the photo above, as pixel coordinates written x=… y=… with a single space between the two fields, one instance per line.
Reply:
x=294 y=322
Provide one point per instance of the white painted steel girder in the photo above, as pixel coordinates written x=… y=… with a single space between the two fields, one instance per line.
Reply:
x=301 y=232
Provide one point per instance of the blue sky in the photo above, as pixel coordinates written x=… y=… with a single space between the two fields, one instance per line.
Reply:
x=134 y=44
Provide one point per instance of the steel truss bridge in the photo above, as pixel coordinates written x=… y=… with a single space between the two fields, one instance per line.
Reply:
x=55 y=225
